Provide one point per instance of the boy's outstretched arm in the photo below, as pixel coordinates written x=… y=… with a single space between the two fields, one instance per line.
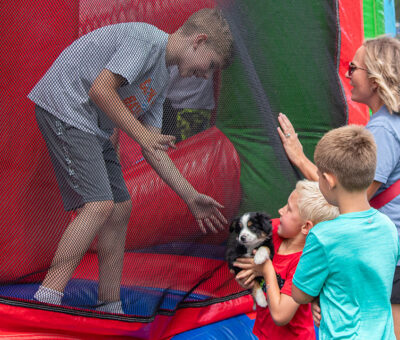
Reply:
x=204 y=208
x=281 y=306
x=103 y=93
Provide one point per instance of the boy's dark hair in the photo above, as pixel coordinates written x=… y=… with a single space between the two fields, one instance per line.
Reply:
x=348 y=152
x=211 y=22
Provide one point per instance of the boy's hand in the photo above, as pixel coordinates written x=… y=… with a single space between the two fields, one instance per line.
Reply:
x=205 y=210
x=245 y=278
x=316 y=311
x=250 y=269
x=243 y=282
x=153 y=141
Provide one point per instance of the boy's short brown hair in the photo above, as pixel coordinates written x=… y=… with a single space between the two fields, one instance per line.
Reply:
x=211 y=22
x=348 y=152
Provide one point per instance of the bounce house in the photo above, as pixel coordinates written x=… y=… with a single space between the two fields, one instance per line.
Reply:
x=290 y=57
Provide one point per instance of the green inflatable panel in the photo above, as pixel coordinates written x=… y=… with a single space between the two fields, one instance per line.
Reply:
x=374 y=18
x=287 y=61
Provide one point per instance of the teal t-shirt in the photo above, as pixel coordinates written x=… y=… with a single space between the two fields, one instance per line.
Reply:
x=350 y=262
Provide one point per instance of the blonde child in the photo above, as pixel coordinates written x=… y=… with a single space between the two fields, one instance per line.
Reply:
x=284 y=318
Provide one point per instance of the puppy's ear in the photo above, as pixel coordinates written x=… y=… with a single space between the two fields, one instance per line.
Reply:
x=233 y=225
x=265 y=220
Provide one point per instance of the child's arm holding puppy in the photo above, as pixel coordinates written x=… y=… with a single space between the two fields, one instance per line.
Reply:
x=282 y=307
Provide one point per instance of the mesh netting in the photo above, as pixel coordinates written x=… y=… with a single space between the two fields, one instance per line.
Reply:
x=287 y=60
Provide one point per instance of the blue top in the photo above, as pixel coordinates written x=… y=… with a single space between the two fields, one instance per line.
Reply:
x=190 y=92
x=136 y=51
x=386 y=130
x=350 y=263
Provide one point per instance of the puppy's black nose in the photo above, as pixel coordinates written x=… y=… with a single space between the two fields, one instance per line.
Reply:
x=243 y=238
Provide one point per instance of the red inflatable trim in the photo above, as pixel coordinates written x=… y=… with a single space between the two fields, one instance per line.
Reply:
x=29 y=323
x=351 y=38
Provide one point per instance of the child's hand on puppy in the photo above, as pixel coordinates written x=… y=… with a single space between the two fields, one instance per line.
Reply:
x=250 y=270
x=243 y=282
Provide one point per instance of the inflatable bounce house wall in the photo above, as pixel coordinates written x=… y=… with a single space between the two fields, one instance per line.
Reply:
x=291 y=57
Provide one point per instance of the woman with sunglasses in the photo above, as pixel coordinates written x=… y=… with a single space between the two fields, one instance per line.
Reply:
x=374 y=75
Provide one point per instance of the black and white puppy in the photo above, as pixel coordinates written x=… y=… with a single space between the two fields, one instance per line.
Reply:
x=251 y=231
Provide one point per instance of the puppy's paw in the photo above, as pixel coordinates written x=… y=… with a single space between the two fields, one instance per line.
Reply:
x=261 y=255
x=260 y=298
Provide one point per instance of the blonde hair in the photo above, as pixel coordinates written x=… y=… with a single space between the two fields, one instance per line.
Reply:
x=211 y=22
x=348 y=152
x=382 y=58
x=312 y=204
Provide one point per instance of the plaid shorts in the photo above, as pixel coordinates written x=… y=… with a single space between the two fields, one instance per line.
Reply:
x=86 y=166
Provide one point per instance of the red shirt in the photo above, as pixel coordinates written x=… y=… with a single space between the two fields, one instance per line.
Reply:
x=301 y=327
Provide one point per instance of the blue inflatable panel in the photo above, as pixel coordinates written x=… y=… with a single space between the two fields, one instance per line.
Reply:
x=390 y=18
x=237 y=328
x=83 y=294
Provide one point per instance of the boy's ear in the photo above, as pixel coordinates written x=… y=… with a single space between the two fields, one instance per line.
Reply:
x=200 y=39
x=305 y=229
x=331 y=179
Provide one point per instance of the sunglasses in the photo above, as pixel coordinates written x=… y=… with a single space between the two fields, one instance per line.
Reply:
x=353 y=67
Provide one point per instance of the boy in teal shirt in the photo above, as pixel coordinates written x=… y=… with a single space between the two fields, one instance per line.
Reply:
x=349 y=262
